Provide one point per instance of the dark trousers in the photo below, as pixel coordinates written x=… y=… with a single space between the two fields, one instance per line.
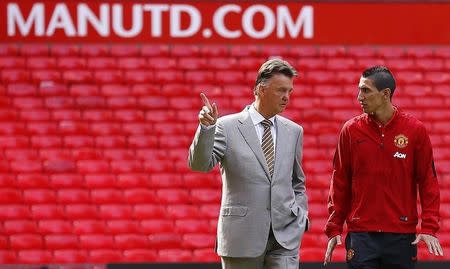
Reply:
x=373 y=250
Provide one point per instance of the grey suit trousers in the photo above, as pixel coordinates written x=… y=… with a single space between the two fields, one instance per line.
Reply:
x=274 y=257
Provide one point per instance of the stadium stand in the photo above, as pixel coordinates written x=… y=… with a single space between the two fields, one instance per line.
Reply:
x=94 y=140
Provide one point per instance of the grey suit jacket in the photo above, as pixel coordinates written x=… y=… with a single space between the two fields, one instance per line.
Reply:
x=251 y=200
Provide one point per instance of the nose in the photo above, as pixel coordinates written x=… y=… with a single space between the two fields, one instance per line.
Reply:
x=360 y=97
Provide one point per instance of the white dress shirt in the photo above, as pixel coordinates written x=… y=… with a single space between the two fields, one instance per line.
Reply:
x=257 y=118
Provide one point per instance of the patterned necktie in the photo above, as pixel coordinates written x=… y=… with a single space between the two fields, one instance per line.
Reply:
x=267 y=146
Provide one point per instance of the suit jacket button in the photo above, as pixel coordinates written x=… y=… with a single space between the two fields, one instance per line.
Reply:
x=268 y=208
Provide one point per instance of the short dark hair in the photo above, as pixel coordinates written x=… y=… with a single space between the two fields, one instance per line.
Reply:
x=272 y=67
x=381 y=77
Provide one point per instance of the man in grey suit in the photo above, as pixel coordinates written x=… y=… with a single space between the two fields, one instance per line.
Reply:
x=263 y=214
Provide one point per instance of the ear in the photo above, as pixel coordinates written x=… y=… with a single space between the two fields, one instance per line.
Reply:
x=387 y=93
x=260 y=89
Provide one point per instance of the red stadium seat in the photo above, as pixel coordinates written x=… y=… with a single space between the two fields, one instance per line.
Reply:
x=83 y=227
x=391 y=52
x=14 y=211
x=26 y=241
x=250 y=63
x=106 y=196
x=192 y=226
x=34 y=257
x=129 y=115
x=195 y=241
x=70 y=256
x=183 y=211
x=101 y=63
x=105 y=256
x=361 y=51
x=81 y=211
x=96 y=241
x=7 y=257
x=206 y=255
x=245 y=50
x=133 y=180
x=164 y=240
x=12 y=62
x=173 y=196
x=94 y=50
x=55 y=227
x=214 y=51
x=71 y=63
x=132 y=63
x=125 y=50
x=157 y=226
x=175 y=255
x=419 y=51
x=222 y=63
x=198 y=77
x=430 y=64
x=87 y=166
x=100 y=180
x=46 y=75
x=108 y=76
x=192 y=63
x=149 y=211
x=131 y=241
x=45 y=141
x=185 y=50
x=140 y=255
x=39 y=196
x=206 y=196
x=138 y=76
x=124 y=166
x=158 y=63
x=77 y=76
x=9 y=49
x=19 y=227
x=73 y=196
x=34 y=50
x=137 y=196
x=115 y=211
x=61 y=181
x=49 y=211
x=10 y=196
x=26 y=166
x=15 y=75
x=123 y=226
x=64 y=50
x=332 y=51
x=65 y=241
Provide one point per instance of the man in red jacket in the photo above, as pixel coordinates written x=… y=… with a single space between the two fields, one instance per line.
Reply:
x=383 y=156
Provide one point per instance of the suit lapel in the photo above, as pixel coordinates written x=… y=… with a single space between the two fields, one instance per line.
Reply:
x=248 y=131
x=281 y=147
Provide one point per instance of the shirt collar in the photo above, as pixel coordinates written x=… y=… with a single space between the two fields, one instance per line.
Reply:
x=257 y=117
x=392 y=119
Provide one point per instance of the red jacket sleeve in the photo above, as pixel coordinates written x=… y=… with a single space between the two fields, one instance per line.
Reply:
x=340 y=187
x=425 y=175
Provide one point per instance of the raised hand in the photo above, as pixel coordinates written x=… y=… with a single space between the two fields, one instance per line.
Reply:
x=330 y=248
x=208 y=114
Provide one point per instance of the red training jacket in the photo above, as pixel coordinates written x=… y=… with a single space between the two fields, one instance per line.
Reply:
x=377 y=170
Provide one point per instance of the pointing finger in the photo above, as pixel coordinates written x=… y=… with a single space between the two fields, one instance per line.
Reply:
x=215 y=110
x=205 y=101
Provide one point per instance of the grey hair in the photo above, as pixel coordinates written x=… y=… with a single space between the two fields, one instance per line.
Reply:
x=272 y=67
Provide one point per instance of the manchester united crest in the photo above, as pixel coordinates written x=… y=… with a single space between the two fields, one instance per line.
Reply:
x=350 y=254
x=401 y=141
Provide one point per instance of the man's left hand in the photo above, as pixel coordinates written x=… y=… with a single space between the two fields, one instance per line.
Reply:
x=432 y=243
